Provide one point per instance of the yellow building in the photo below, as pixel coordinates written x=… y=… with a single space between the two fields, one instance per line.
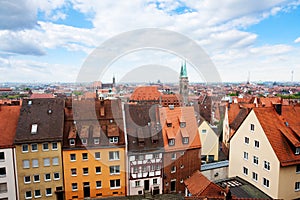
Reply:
x=265 y=151
x=38 y=149
x=94 y=149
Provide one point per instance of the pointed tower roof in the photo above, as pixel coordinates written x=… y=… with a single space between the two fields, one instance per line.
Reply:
x=183 y=72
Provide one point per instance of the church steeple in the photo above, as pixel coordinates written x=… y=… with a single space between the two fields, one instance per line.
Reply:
x=183 y=72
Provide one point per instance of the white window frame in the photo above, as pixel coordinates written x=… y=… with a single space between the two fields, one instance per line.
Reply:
x=35 y=163
x=268 y=164
x=252 y=127
x=83 y=171
x=115 y=169
x=39 y=179
x=28 y=197
x=46 y=164
x=256 y=144
x=173 y=169
x=137 y=183
x=55 y=161
x=246 y=155
x=266 y=182
x=297 y=186
x=99 y=167
x=43 y=146
x=113 y=140
x=72 y=142
x=74 y=186
x=72 y=160
x=45 y=177
x=26 y=164
x=46 y=192
x=85 y=156
x=245 y=140
x=55 y=174
x=245 y=171
x=54 y=144
x=96 y=157
x=84 y=141
x=171 y=142
x=26 y=182
x=115 y=183
x=98 y=187
x=73 y=170
x=25 y=145
x=37 y=147
x=34 y=128
x=173 y=156
x=255 y=160
x=37 y=196
x=115 y=155
x=96 y=140
x=254 y=176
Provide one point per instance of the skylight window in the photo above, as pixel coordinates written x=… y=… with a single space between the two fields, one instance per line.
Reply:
x=34 y=128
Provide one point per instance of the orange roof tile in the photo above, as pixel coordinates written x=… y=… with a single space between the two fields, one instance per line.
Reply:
x=9 y=116
x=41 y=96
x=145 y=93
x=191 y=128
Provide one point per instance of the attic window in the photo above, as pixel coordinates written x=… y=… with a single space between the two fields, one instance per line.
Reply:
x=297 y=152
x=185 y=140
x=72 y=142
x=182 y=124
x=34 y=128
x=169 y=123
x=96 y=140
x=171 y=142
x=29 y=102
x=84 y=141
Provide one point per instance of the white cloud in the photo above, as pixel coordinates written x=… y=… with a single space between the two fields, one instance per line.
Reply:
x=297 y=40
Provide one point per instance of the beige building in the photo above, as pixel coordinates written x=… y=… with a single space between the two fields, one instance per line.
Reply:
x=209 y=142
x=38 y=144
x=265 y=151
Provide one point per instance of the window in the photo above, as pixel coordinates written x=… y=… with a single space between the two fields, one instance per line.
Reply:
x=27 y=179
x=173 y=156
x=55 y=161
x=48 y=192
x=114 y=169
x=73 y=171
x=85 y=171
x=137 y=183
x=267 y=165
x=171 y=142
x=135 y=169
x=246 y=140
x=28 y=195
x=2 y=172
x=144 y=169
x=34 y=147
x=25 y=164
x=182 y=124
x=96 y=141
x=141 y=157
x=245 y=171
x=54 y=146
x=254 y=176
x=47 y=177
x=114 y=183
x=98 y=184
x=255 y=160
x=97 y=155
x=185 y=140
x=256 y=144
x=56 y=176
x=252 y=127
x=156 y=155
x=3 y=187
x=98 y=170
x=84 y=156
x=36 y=178
x=25 y=148
x=114 y=155
x=181 y=166
x=84 y=141
x=245 y=155
x=203 y=131
x=173 y=169
x=73 y=157
x=37 y=193
x=2 y=157
x=297 y=151
x=297 y=169
x=74 y=187
x=154 y=181
x=72 y=142
x=34 y=128
x=113 y=139
x=297 y=186
x=266 y=182
x=46 y=162
x=45 y=147
x=35 y=163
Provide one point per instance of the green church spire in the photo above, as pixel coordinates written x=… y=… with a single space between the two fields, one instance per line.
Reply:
x=183 y=72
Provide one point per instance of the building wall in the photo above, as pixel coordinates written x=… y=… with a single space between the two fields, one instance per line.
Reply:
x=92 y=177
x=10 y=177
x=40 y=170
x=287 y=179
x=209 y=141
x=216 y=174
x=186 y=163
x=138 y=190
x=264 y=153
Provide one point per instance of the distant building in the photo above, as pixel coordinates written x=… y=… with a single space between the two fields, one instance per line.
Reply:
x=265 y=151
x=9 y=116
x=145 y=149
x=38 y=144
x=184 y=84
x=94 y=149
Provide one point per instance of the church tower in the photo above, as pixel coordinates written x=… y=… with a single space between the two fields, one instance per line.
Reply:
x=184 y=83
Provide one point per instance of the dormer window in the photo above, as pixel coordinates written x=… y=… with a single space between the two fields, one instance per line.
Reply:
x=72 y=142
x=185 y=140
x=171 y=142
x=169 y=123
x=29 y=102
x=96 y=140
x=297 y=151
x=113 y=139
x=182 y=124
x=84 y=141
x=34 y=128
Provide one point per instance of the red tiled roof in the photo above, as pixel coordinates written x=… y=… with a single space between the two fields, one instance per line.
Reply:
x=41 y=96
x=173 y=115
x=9 y=116
x=199 y=185
x=145 y=93
x=279 y=133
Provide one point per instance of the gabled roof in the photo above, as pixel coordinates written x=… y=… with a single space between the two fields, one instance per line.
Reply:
x=9 y=116
x=199 y=185
x=47 y=114
x=280 y=135
x=175 y=132
x=145 y=93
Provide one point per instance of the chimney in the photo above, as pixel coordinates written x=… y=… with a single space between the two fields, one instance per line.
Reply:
x=278 y=108
x=97 y=95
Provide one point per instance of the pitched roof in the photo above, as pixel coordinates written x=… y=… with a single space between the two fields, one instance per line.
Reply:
x=41 y=96
x=280 y=135
x=9 y=116
x=191 y=128
x=47 y=114
x=199 y=185
x=145 y=93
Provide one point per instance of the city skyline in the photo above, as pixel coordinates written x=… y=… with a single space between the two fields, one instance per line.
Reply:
x=48 y=42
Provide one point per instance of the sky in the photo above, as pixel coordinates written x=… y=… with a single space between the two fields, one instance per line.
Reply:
x=49 y=41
